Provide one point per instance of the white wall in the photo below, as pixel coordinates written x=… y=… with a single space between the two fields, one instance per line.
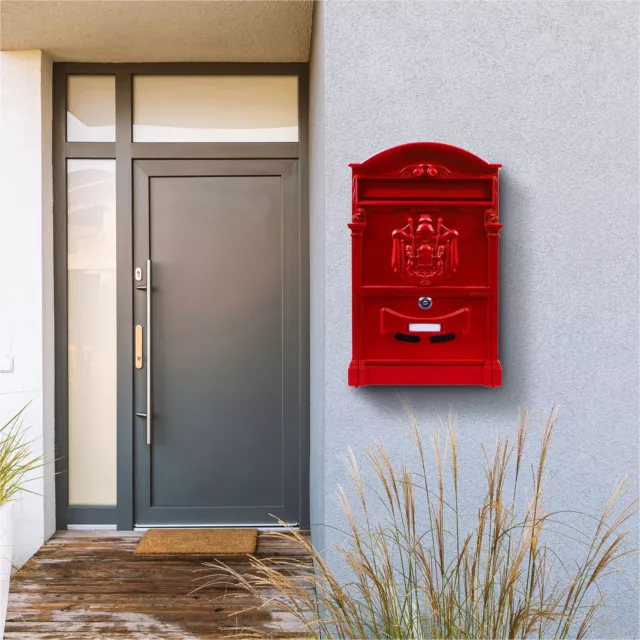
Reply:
x=26 y=275
x=550 y=90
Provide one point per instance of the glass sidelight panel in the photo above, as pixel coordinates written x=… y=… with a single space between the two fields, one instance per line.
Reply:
x=91 y=108
x=215 y=109
x=91 y=282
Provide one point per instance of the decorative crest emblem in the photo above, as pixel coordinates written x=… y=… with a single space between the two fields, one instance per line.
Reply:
x=423 y=253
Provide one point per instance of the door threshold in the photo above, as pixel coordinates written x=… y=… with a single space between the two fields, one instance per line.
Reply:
x=92 y=527
x=260 y=527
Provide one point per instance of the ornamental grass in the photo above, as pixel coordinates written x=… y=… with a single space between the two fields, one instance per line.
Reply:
x=419 y=566
x=17 y=460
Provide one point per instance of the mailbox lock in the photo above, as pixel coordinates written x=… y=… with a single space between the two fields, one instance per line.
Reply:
x=425 y=303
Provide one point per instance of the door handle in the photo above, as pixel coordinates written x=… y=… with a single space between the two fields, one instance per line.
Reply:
x=149 y=396
x=148 y=416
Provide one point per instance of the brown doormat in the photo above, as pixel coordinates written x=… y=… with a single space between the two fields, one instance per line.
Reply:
x=197 y=542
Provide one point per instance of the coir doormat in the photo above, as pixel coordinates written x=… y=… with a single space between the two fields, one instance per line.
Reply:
x=197 y=542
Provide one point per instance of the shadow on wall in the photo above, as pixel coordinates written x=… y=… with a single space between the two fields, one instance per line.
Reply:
x=515 y=336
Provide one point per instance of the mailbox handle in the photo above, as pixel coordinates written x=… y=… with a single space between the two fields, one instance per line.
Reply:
x=391 y=321
x=408 y=337
x=443 y=337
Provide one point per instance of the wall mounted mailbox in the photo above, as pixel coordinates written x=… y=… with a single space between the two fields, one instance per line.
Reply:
x=424 y=231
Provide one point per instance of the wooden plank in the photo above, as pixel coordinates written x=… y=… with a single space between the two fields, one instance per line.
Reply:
x=90 y=585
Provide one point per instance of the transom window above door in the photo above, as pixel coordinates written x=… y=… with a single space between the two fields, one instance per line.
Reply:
x=91 y=108
x=187 y=108
x=215 y=108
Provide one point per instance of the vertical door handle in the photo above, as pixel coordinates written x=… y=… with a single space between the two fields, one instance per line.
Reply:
x=148 y=416
x=149 y=368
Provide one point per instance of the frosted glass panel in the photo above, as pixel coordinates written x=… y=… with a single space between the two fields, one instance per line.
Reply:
x=215 y=109
x=91 y=108
x=91 y=277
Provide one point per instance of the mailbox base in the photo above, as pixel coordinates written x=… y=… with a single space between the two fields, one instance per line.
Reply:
x=487 y=374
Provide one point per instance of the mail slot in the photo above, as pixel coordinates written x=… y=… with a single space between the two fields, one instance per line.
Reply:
x=425 y=228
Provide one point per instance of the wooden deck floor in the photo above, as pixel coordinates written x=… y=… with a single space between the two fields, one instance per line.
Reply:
x=90 y=585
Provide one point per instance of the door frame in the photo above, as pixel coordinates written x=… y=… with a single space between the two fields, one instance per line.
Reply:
x=148 y=513
x=125 y=151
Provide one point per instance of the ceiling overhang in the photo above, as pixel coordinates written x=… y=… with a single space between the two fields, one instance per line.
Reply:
x=159 y=30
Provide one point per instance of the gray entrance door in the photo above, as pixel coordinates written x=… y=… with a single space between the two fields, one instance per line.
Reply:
x=217 y=436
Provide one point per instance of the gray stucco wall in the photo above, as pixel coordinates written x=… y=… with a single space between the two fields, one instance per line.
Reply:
x=550 y=90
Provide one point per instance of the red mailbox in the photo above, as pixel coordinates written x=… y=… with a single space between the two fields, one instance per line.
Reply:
x=424 y=233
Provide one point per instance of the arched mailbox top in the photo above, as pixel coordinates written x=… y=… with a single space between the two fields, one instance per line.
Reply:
x=424 y=160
